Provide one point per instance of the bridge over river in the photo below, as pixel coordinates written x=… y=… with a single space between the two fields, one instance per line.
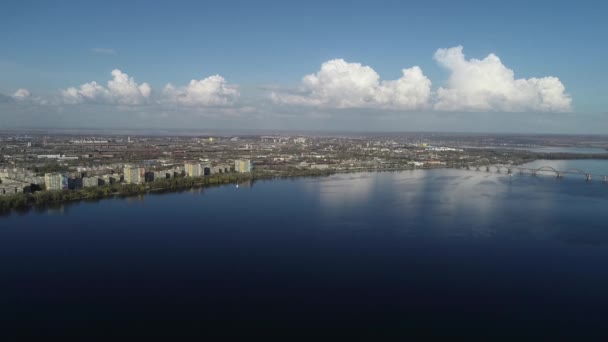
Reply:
x=510 y=169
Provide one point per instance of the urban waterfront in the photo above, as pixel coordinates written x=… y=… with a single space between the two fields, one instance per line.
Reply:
x=212 y=171
x=436 y=251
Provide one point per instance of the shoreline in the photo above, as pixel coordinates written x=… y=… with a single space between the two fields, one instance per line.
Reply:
x=44 y=199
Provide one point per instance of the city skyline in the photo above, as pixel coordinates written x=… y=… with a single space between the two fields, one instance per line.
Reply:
x=388 y=67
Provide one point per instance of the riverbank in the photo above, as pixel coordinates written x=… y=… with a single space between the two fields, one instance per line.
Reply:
x=41 y=199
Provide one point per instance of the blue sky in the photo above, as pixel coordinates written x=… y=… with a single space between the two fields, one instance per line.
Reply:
x=265 y=47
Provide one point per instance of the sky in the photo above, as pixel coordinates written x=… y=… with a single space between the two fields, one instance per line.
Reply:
x=462 y=66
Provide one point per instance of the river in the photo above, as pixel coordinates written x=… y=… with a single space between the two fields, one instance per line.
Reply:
x=439 y=252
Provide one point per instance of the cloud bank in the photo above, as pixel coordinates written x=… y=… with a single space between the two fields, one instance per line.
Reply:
x=488 y=85
x=473 y=86
x=340 y=84
x=123 y=90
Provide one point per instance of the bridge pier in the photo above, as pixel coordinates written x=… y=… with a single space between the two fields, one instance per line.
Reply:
x=560 y=175
x=588 y=177
x=509 y=171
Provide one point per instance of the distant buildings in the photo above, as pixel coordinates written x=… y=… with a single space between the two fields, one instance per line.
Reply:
x=134 y=175
x=243 y=165
x=433 y=163
x=21 y=175
x=55 y=181
x=56 y=156
x=194 y=169
x=319 y=166
x=88 y=141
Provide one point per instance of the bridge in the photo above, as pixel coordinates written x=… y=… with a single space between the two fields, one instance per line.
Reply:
x=510 y=169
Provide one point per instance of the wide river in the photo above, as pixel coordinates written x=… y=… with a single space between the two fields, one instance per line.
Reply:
x=439 y=252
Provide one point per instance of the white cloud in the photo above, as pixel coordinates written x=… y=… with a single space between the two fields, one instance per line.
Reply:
x=103 y=51
x=340 y=84
x=21 y=94
x=210 y=91
x=88 y=92
x=488 y=85
x=473 y=85
x=122 y=89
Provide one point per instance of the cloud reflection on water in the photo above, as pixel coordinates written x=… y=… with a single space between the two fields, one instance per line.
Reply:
x=458 y=203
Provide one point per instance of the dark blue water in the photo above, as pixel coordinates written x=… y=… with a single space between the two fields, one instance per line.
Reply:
x=437 y=253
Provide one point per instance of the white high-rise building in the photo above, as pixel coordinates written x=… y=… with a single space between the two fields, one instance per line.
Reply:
x=243 y=165
x=55 y=181
x=134 y=175
x=194 y=169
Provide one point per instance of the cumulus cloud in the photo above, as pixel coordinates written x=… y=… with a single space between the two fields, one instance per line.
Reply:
x=121 y=89
x=340 y=84
x=21 y=94
x=473 y=85
x=210 y=91
x=24 y=97
x=488 y=85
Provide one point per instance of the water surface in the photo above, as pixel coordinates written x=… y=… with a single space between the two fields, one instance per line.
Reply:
x=439 y=252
